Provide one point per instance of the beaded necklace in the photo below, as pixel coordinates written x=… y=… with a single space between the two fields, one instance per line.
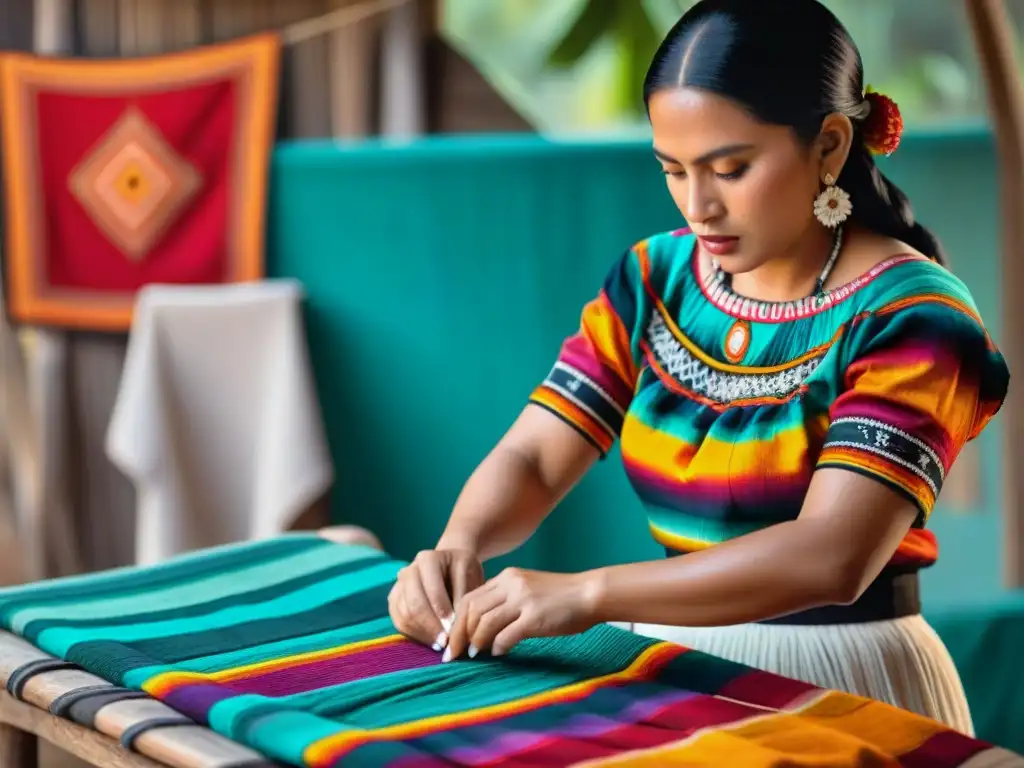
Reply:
x=818 y=294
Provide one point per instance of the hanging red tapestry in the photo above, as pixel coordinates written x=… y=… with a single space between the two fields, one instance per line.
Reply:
x=122 y=173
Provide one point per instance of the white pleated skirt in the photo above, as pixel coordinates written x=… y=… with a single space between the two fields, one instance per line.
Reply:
x=902 y=661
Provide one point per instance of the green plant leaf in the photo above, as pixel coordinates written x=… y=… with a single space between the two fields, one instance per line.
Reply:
x=638 y=41
x=596 y=19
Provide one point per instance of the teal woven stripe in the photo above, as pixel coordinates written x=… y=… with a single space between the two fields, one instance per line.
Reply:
x=270 y=727
x=286 y=735
x=179 y=571
x=169 y=599
x=58 y=640
x=347 y=610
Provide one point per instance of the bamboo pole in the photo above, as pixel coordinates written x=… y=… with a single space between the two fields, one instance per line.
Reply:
x=993 y=33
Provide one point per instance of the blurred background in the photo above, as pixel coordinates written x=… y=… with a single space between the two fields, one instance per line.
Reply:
x=573 y=66
x=340 y=256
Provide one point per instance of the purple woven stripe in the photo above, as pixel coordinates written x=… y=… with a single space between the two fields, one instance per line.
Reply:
x=195 y=701
x=303 y=677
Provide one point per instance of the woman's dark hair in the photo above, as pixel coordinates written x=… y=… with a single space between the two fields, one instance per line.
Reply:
x=788 y=62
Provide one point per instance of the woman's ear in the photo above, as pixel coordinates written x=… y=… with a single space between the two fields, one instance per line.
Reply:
x=833 y=143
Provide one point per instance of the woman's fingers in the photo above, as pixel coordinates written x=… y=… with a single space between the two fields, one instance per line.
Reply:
x=412 y=608
x=433 y=569
x=467 y=617
x=493 y=624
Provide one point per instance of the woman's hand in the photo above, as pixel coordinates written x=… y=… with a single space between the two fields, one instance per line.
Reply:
x=420 y=603
x=518 y=604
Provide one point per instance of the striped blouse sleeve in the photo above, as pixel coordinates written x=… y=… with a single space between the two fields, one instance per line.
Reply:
x=924 y=380
x=592 y=382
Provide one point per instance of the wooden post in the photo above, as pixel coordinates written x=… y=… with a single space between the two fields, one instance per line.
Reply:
x=306 y=95
x=47 y=373
x=18 y=749
x=53 y=31
x=402 y=83
x=993 y=33
x=53 y=36
x=350 y=57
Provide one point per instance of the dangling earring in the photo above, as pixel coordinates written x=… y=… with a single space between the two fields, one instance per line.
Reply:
x=832 y=207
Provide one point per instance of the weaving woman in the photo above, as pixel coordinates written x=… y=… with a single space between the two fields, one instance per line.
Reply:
x=791 y=379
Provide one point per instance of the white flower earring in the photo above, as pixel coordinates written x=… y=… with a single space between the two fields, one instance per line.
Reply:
x=832 y=207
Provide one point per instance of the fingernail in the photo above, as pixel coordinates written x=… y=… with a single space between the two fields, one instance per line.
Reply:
x=447 y=655
x=447 y=623
x=496 y=651
x=441 y=641
x=472 y=651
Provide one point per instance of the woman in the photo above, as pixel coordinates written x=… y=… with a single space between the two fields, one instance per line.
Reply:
x=791 y=379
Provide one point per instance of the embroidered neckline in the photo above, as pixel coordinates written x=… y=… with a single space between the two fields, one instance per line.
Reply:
x=743 y=308
x=687 y=372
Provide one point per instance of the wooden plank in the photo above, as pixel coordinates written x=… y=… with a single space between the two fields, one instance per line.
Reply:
x=151 y=33
x=187 y=22
x=262 y=13
x=55 y=552
x=87 y=745
x=232 y=20
x=994 y=37
x=127 y=27
x=105 y=499
x=304 y=92
x=16 y=26
x=99 y=24
x=351 y=73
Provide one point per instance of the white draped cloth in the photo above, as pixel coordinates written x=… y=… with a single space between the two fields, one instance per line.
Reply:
x=217 y=420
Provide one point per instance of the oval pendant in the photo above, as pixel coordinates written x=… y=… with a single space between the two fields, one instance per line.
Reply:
x=737 y=341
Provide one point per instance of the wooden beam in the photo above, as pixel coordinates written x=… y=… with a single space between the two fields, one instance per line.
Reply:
x=22 y=724
x=993 y=31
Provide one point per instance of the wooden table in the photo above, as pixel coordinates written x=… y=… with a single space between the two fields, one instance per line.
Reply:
x=102 y=724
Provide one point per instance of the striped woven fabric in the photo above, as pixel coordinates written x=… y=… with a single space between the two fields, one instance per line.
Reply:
x=285 y=647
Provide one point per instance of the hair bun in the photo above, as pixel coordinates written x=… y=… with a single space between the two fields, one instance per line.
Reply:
x=883 y=126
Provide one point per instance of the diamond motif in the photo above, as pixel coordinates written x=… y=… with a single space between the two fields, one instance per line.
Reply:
x=134 y=185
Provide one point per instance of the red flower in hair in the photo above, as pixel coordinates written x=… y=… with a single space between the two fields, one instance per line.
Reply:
x=884 y=124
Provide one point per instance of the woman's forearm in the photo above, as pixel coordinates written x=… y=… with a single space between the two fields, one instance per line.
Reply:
x=786 y=568
x=504 y=501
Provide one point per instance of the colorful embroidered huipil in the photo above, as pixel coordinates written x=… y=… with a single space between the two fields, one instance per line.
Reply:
x=726 y=406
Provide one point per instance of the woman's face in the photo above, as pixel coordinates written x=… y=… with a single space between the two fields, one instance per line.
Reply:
x=746 y=189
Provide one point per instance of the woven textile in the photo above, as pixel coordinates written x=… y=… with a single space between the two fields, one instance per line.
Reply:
x=285 y=646
x=127 y=172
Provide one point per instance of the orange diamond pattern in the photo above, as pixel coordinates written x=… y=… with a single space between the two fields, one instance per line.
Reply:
x=134 y=185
